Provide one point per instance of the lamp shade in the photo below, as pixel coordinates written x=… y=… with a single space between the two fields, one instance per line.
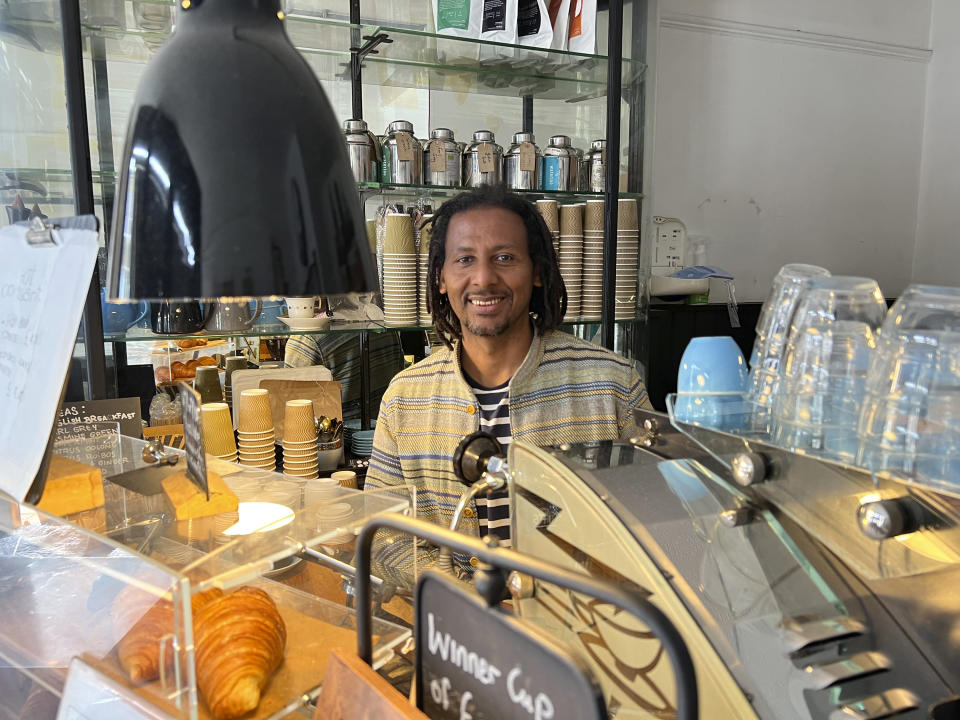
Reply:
x=234 y=180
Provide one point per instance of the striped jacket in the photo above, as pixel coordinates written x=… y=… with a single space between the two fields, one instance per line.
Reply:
x=566 y=390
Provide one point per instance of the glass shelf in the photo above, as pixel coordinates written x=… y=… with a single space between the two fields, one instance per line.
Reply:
x=403 y=190
x=414 y=58
x=277 y=330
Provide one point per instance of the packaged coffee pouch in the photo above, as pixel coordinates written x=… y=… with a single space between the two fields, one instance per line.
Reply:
x=460 y=18
x=559 y=11
x=583 y=27
x=499 y=25
x=533 y=24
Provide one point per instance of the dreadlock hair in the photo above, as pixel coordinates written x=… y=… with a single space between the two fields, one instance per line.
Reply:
x=548 y=303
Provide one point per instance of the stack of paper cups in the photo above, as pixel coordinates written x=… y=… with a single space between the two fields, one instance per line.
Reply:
x=299 y=439
x=548 y=211
x=399 y=272
x=591 y=297
x=570 y=257
x=217 y=426
x=255 y=430
x=423 y=268
x=628 y=253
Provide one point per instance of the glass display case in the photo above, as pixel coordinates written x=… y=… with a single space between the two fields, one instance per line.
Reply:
x=108 y=585
x=412 y=73
x=790 y=608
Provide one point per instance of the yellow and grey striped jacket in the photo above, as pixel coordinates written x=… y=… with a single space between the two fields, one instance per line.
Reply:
x=566 y=390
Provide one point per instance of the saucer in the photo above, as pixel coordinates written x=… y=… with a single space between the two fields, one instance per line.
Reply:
x=314 y=323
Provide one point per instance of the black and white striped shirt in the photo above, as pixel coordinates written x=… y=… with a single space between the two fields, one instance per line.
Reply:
x=493 y=511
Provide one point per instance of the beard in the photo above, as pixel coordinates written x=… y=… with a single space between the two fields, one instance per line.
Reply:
x=486 y=329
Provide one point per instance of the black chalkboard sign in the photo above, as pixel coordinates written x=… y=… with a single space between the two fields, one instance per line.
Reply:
x=193 y=437
x=124 y=411
x=480 y=663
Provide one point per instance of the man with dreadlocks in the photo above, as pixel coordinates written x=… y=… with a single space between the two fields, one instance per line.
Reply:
x=497 y=298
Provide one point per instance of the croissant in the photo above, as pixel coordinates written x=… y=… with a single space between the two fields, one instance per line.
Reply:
x=239 y=642
x=139 y=649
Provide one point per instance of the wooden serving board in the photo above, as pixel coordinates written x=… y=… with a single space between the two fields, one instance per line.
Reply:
x=310 y=643
x=325 y=395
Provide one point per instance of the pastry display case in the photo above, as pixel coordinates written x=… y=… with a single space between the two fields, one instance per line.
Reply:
x=148 y=599
x=803 y=588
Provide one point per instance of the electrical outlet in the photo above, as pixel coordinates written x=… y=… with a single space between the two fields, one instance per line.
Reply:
x=670 y=242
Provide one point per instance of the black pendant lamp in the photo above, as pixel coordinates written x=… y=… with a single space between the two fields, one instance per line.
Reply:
x=234 y=180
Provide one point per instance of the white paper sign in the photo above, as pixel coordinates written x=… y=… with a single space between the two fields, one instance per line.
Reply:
x=42 y=291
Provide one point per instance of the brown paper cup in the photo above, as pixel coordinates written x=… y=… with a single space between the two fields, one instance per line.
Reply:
x=627 y=214
x=548 y=211
x=571 y=220
x=218 y=436
x=399 y=234
x=593 y=216
x=254 y=414
x=298 y=421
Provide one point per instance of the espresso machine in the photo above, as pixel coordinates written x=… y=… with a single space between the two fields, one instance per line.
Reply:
x=804 y=588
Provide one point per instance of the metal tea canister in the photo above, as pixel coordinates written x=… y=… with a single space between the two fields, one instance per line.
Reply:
x=482 y=161
x=441 y=159
x=363 y=148
x=521 y=164
x=402 y=155
x=594 y=166
x=561 y=165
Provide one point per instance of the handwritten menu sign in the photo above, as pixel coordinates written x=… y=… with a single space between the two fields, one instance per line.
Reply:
x=404 y=147
x=438 y=157
x=42 y=289
x=528 y=157
x=476 y=663
x=193 y=437
x=485 y=158
x=125 y=411
x=92 y=443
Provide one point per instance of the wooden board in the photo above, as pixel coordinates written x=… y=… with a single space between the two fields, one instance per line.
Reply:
x=310 y=643
x=353 y=691
x=325 y=395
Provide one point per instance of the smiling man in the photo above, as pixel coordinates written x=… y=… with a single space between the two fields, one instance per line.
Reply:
x=497 y=299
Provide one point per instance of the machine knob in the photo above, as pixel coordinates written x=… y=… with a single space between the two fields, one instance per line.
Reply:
x=520 y=585
x=749 y=468
x=883 y=519
x=471 y=456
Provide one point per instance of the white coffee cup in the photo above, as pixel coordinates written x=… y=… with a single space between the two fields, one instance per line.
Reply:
x=301 y=307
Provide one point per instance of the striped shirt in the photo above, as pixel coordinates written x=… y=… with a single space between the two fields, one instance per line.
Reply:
x=493 y=510
x=340 y=353
x=566 y=390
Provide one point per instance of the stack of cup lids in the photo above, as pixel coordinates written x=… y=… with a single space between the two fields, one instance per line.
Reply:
x=320 y=490
x=299 y=439
x=217 y=426
x=335 y=518
x=255 y=430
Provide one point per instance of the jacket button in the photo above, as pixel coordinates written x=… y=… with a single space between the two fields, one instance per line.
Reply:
x=474 y=561
x=471 y=410
x=469 y=512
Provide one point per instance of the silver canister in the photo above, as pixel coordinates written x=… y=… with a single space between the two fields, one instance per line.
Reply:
x=395 y=170
x=561 y=165
x=446 y=150
x=363 y=147
x=473 y=175
x=593 y=175
x=521 y=164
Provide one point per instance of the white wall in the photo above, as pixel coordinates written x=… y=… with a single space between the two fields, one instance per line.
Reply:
x=792 y=132
x=937 y=256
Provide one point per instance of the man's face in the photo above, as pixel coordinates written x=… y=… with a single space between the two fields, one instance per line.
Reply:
x=487 y=272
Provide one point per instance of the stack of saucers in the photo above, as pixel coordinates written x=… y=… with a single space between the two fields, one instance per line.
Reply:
x=361 y=442
x=299 y=439
x=628 y=253
x=218 y=436
x=399 y=272
x=591 y=297
x=255 y=430
x=570 y=257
